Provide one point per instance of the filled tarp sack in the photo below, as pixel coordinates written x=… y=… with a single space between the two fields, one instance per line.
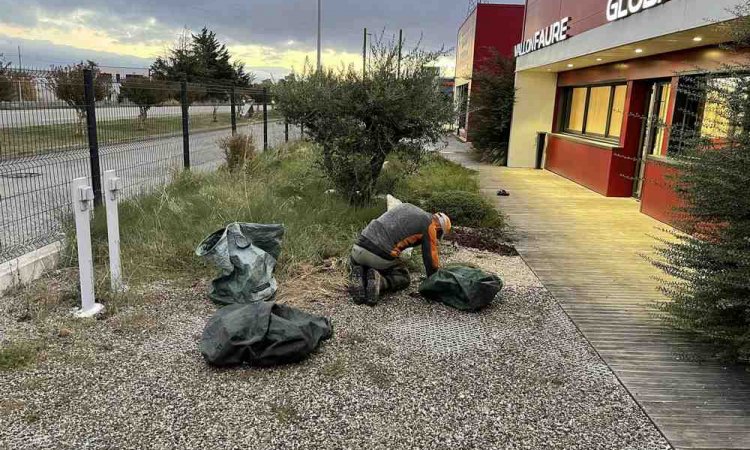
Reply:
x=464 y=288
x=246 y=253
x=262 y=334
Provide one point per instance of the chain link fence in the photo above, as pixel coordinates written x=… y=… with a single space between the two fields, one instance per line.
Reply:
x=58 y=125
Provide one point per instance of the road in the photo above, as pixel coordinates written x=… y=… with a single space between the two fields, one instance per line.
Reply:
x=47 y=116
x=34 y=197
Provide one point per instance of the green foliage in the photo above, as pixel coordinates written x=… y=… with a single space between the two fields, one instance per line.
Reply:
x=239 y=150
x=201 y=58
x=145 y=93
x=493 y=94
x=466 y=209
x=360 y=121
x=67 y=84
x=709 y=265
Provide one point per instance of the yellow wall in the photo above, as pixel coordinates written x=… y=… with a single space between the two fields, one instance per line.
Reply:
x=533 y=112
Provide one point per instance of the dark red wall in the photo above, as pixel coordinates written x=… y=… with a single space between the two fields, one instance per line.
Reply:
x=659 y=199
x=584 y=14
x=585 y=164
x=498 y=27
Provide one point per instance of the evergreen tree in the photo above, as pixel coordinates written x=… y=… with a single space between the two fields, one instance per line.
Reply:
x=6 y=87
x=493 y=95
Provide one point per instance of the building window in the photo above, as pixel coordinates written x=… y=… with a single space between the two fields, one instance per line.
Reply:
x=595 y=111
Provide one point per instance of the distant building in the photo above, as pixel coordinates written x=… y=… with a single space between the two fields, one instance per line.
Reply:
x=489 y=27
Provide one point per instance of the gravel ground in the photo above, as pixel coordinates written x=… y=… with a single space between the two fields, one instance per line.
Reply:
x=405 y=375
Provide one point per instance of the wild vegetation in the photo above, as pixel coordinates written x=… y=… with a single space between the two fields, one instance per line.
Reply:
x=360 y=120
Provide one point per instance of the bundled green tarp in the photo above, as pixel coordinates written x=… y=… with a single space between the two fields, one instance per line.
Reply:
x=461 y=287
x=262 y=334
x=246 y=253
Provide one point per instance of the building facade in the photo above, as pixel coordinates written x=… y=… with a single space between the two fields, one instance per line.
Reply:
x=606 y=81
x=488 y=28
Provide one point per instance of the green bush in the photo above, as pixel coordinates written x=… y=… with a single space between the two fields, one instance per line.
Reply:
x=360 y=121
x=492 y=99
x=466 y=209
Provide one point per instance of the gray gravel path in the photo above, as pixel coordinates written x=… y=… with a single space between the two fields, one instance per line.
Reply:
x=405 y=375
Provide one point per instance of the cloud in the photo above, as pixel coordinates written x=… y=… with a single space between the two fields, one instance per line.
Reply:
x=272 y=33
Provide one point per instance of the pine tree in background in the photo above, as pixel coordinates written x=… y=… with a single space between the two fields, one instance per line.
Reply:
x=709 y=265
x=6 y=87
x=201 y=59
x=492 y=97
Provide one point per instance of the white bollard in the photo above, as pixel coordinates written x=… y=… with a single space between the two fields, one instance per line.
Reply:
x=113 y=186
x=83 y=203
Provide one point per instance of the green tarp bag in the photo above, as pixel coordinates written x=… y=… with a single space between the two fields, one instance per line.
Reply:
x=262 y=334
x=461 y=287
x=246 y=253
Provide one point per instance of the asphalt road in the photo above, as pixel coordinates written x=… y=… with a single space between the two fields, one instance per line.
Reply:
x=47 y=116
x=34 y=192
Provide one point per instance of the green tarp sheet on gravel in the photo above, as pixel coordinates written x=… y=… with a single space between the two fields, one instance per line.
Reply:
x=262 y=334
x=461 y=287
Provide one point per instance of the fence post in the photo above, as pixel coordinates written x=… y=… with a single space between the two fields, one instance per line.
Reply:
x=82 y=196
x=286 y=130
x=233 y=112
x=113 y=186
x=265 y=118
x=185 y=125
x=89 y=96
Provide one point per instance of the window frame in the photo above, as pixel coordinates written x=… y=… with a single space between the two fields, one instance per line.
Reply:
x=567 y=104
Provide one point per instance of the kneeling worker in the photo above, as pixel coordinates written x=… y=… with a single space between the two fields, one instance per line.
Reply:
x=376 y=266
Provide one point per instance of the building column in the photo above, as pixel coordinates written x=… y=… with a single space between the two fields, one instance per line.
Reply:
x=533 y=112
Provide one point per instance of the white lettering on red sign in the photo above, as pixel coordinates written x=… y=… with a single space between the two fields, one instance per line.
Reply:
x=620 y=9
x=557 y=32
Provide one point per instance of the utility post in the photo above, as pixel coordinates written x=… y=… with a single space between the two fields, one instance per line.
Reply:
x=319 y=39
x=265 y=119
x=400 y=44
x=364 y=54
x=185 y=124
x=89 y=96
x=233 y=111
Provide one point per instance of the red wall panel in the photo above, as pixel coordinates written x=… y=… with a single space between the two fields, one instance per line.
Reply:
x=498 y=27
x=584 y=14
x=586 y=165
x=659 y=199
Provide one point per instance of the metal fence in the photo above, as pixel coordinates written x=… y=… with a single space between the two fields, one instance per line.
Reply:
x=56 y=126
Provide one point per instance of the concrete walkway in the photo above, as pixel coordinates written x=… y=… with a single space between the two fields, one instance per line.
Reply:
x=589 y=251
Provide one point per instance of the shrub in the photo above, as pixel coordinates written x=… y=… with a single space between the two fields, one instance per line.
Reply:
x=360 y=121
x=467 y=209
x=239 y=150
x=492 y=98
x=709 y=265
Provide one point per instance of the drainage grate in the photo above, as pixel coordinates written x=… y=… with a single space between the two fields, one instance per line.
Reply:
x=436 y=337
x=15 y=175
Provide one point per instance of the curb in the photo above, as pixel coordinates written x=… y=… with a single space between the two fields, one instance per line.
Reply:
x=29 y=267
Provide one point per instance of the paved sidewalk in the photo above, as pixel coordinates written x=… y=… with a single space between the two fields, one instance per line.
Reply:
x=588 y=251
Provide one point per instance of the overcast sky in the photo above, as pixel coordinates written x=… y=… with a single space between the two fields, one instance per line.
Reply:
x=267 y=35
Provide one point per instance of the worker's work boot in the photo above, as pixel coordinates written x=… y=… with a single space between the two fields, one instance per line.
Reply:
x=372 y=287
x=357 y=282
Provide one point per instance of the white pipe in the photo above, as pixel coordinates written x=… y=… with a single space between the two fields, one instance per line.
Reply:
x=82 y=197
x=113 y=186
